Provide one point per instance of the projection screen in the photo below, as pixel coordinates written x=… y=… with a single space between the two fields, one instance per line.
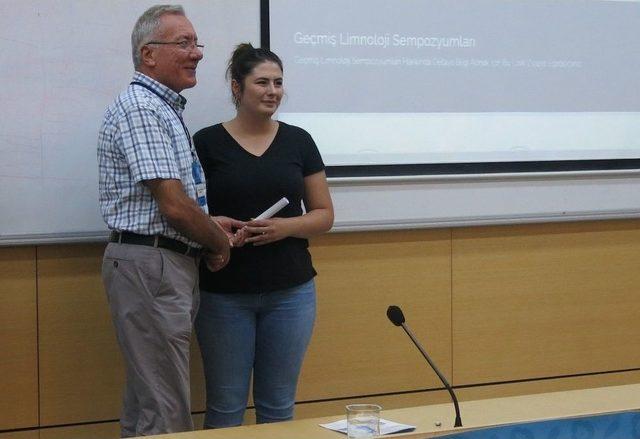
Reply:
x=470 y=85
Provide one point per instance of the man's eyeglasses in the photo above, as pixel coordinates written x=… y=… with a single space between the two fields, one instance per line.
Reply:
x=184 y=45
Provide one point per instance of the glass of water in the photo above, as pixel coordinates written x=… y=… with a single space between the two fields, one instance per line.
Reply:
x=363 y=421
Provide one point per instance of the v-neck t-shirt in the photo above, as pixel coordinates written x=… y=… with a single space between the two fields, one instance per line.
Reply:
x=242 y=185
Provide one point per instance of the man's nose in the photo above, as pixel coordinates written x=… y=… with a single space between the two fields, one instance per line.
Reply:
x=197 y=53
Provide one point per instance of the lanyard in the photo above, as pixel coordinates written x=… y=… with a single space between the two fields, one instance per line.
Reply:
x=186 y=131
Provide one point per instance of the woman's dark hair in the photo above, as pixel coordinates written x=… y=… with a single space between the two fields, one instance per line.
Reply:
x=243 y=60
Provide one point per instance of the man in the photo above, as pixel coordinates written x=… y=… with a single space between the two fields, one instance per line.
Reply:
x=153 y=198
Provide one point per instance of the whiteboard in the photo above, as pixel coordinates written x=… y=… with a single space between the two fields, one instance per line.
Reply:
x=62 y=62
x=473 y=200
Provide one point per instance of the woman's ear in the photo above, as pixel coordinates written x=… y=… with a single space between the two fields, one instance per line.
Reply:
x=236 y=91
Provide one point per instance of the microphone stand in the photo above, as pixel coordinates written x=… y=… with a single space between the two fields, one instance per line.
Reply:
x=458 y=421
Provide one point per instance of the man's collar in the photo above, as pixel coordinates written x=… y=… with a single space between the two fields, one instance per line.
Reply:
x=175 y=99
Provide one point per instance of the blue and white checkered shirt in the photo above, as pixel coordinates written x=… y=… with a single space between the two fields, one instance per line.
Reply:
x=142 y=138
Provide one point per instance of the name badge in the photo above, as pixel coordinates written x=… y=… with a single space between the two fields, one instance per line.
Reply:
x=201 y=186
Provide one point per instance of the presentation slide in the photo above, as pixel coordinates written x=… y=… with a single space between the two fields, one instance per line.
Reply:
x=456 y=81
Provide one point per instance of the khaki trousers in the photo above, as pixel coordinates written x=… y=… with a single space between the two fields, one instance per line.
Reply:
x=153 y=296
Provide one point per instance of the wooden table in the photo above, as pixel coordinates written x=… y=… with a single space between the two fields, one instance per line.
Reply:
x=434 y=419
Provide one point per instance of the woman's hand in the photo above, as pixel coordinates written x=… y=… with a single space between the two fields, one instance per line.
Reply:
x=318 y=219
x=270 y=230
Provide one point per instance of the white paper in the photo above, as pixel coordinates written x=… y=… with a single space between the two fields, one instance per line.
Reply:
x=386 y=426
x=278 y=206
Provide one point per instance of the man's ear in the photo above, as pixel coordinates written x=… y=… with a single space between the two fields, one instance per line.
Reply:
x=147 y=55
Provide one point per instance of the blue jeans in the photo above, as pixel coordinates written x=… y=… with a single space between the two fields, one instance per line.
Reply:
x=267 y=333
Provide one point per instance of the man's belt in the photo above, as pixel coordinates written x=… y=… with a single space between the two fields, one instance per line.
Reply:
x=154 y=241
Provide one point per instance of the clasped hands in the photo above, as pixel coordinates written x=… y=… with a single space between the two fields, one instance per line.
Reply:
x=256 y=232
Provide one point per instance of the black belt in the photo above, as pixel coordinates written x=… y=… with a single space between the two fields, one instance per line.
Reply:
x=154 y=241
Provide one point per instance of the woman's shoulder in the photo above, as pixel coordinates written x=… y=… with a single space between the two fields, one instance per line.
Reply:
x=294 y=131
x=213 y=130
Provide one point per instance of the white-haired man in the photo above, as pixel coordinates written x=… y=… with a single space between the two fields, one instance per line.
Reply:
x=153 y=198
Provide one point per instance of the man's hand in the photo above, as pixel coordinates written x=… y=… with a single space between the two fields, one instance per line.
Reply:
x=215 y=262
x=232 y=229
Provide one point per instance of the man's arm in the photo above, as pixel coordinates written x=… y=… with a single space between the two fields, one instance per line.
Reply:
x=184 y=215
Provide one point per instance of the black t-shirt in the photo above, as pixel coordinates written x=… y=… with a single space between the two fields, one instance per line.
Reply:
x=241 y=185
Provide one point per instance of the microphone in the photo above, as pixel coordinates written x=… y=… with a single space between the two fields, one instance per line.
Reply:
x=394 y=313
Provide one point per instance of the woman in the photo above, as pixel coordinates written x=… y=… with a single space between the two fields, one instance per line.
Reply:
x=257 y=314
